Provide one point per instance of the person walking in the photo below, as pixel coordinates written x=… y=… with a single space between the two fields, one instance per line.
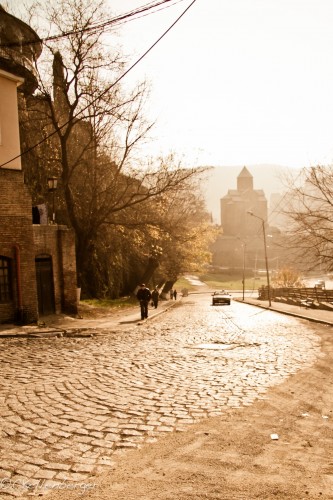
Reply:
x=155 y=297
x=175 y=294
x=143 y=297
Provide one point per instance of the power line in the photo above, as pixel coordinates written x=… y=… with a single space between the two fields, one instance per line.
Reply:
x=150 y=13
x=121 y=19
x=107 y=89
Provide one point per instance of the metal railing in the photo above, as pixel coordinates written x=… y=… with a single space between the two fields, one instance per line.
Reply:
x=297 y=294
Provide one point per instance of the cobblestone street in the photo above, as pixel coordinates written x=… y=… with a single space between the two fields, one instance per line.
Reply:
x=70 y=405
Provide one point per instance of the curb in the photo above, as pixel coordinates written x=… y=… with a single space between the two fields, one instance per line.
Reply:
x=158 y=313
x=75 y=331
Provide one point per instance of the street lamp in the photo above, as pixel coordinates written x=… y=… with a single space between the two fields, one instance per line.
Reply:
x=266 y=260
x=52 y=183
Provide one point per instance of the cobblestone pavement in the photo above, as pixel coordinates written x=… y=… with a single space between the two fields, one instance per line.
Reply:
x=68 y=406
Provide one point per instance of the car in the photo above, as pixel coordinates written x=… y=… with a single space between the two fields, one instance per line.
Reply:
x=320 y=284
x=221 y=297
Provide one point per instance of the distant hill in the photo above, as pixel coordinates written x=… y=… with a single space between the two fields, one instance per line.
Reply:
x=269 y=178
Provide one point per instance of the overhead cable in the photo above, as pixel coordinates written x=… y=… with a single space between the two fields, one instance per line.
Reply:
x=107 y=89
x=144 y=10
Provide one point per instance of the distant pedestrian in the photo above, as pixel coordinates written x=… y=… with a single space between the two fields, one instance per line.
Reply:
x=175 y=294
x=143 y=297
x=171 y=294
x=155 y=297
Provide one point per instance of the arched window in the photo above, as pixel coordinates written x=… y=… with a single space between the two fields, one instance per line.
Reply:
x=5 y=280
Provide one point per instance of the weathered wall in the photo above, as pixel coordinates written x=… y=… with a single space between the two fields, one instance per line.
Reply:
x=59 y=243
x=22 y=242
x=9 y=125
x=16 y=243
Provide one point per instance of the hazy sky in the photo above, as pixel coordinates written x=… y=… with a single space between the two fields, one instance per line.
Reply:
x=239 y=81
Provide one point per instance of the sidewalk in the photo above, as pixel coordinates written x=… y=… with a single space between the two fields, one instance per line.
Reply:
x=316 y=315
x=62 y=325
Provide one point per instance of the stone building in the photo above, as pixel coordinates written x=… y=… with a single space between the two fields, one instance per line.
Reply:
x=239 y=227
x=37 y=263
x=235 y=220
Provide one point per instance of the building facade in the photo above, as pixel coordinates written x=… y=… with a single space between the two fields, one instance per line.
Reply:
x=239 y=228
x=236 y=204
x=37 y=263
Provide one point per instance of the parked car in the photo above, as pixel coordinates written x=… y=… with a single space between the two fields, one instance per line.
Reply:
x=320 y=284
x=221 y=297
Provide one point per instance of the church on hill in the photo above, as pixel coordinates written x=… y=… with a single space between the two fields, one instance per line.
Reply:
x=235 y=220
x=239 y=228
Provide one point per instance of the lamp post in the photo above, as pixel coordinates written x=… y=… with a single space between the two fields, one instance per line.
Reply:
x=52 y=183
x=266 y=259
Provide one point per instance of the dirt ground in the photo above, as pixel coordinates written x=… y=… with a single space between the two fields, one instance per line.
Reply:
x=233 y=456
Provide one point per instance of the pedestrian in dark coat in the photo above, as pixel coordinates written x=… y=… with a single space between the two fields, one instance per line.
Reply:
x=155 y=296
x=143 y=297
x=175 y=294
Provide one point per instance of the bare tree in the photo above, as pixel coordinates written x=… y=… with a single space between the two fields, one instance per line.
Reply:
x=309 y=206
x=88 y=130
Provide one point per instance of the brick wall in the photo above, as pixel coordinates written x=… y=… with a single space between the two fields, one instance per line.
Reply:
x=58 y=242
x=22 y=242
x=16 y=243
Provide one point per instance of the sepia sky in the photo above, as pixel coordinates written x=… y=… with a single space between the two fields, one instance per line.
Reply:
x=236 y=82
x=239 y=81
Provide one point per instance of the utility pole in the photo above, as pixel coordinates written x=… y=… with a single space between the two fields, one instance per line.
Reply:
x=266 y=258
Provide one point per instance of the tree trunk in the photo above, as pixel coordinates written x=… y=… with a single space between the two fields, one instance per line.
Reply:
x=150 y=269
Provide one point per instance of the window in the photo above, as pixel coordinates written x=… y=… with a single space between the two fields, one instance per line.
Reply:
x=5 y=280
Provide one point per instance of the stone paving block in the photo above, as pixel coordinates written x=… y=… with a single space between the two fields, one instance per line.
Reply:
x=80 y=467
x=27 y=469
x=13 y=491
x=128 y=425
x=4 y=473
x=43 y=434
x=164 y=428
x=145 y=428
x=82 y=439
x=35 y=460
x=103 y=443
x=168 y=420
x=57 y=466
x=98 y=435
x=134 y=439
x=10 y=463
x=72 y=476
x=81 y=448
x=67 y=454
x=51 y=440
x=44 y=474
x=130 y=432
x=112 y=436
x=62 y=434
x=82 y=431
